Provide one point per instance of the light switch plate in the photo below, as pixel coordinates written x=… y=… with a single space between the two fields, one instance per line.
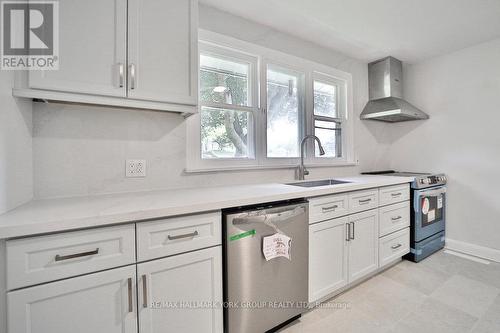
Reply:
x=135 y=168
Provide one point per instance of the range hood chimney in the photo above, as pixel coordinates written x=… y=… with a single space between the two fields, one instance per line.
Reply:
x=385 y=78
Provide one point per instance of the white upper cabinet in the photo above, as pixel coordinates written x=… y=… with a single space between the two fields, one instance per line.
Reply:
x=140 y=54
x=92 y=49
x=162 y=50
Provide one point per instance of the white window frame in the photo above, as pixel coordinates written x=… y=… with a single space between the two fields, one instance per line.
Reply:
x=260 y=57
x=194 y=158
x=284 y=161
x=344 y=117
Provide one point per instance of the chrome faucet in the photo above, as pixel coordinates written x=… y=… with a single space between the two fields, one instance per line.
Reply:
x=301 y=170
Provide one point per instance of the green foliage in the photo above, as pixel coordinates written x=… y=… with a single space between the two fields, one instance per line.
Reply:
x=220 y=126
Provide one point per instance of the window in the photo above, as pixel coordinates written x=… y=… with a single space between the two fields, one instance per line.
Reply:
x=284 y=112
x=327 y=121
x=225 y=99
x=256 y=104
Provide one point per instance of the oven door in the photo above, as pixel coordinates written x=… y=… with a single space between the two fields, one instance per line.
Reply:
x=429 y=206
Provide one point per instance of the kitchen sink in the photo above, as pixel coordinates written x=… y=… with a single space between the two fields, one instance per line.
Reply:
x=323 y=182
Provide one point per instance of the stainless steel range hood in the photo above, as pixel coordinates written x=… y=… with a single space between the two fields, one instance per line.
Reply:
x=386 y=103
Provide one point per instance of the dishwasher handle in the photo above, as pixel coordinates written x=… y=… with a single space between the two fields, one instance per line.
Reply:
x=263 y=217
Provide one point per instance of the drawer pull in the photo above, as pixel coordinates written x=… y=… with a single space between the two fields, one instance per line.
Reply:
x=130 y=304
x=396 y=194
x=76 y=255
x=192 y=234
x=329 y=208
x=394 y=247
x=365 y=201
x=396 y=218
x=144 y=292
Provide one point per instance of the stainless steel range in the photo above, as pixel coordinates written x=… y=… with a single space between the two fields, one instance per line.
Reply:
x=428 y=217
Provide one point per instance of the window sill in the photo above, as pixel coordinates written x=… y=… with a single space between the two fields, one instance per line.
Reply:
x=267 y=167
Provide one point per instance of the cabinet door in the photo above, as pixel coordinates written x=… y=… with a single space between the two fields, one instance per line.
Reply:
x=176 y=293
x=163 y=50
x=327 y=257
x=99 y=303
x=92 y=49
x=363 y=245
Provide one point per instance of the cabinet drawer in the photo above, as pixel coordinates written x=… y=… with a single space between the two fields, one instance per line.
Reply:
x=41 y=259
x=166 y=237
x=394 y=246
x=328 y=207
x=394 y=217
x=393 y=194
x=363 y=200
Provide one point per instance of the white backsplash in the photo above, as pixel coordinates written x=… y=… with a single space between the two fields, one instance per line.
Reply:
x=81 y=150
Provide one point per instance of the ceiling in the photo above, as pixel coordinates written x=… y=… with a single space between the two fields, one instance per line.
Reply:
x=411 y=30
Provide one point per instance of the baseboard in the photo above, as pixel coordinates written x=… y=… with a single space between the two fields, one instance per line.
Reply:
x=473 y=250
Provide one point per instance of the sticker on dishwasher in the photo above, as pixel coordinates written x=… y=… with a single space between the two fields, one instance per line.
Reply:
x=277 y=245
x=242 y=235
x=425 y=206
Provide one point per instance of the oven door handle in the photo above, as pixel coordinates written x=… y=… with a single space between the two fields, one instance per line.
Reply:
x=432 y=193
x=426 y=193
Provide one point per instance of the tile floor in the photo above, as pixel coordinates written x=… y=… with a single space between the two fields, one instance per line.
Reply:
x=443 y=293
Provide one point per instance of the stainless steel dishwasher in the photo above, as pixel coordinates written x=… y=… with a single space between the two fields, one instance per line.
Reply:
x=262 y=295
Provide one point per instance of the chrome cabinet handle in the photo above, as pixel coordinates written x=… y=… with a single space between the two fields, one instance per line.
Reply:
x=121 y=75
x=144 y=292
x=192 y=234
x=394 y=247
x=396 y=194
x=396 y=218
x=352 y=237
x=76 y=255
x=132 y=76
x=329 y=208
x=365 y=201
x=348 y=231
x=130 y=303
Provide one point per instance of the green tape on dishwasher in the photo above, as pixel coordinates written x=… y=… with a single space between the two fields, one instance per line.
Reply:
x=242 y=235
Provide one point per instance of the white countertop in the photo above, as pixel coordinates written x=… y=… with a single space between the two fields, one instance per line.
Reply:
x=53 y=215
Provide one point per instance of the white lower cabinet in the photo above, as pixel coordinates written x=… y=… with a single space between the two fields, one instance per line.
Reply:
x=327 y=257
x=363 y=244
x=341 y=251
x=176 y=293
x=102 y=302
x=394 y=246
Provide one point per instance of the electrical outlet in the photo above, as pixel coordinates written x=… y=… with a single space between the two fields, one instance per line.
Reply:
x=135 y=168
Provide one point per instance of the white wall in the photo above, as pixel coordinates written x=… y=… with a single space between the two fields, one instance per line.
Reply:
x=461 y=93
x=81 y=150
x=16 y=164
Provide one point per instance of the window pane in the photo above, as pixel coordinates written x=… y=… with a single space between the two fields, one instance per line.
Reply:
x=283 y=114
x=223 y=81
x=329 y=134
x=224 y=133
x=325 y=99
